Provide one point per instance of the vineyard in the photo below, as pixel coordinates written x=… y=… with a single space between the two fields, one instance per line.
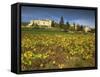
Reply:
x=56 y=50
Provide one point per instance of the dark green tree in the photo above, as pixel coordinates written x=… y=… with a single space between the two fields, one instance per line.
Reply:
x=78 y=27
x=74 y=25
x=25 y=23
x=53 y=24
x=92 y=30
x=36 y=26
x=81 y=28
x=61 y=23
x=67 y=25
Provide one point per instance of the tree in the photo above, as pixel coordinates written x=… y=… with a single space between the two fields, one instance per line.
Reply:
x=67 y=25
x=52 y=24
x=33 y=24
x=81 y=27
x=36 y=26
x=61 y=23
x=78 y=27
x=74 y=25
x=92 y=30
x=25 y=23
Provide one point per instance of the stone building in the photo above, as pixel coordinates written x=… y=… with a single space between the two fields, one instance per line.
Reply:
x=40 y=23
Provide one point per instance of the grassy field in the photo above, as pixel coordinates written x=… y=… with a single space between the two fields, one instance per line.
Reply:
x=50 y=49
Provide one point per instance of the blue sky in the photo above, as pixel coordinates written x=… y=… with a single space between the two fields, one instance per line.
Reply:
x=83 y=17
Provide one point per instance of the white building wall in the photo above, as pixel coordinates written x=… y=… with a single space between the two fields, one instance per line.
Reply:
x=41 y=23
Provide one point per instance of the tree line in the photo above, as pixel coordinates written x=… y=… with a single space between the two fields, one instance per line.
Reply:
x=70 y=27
